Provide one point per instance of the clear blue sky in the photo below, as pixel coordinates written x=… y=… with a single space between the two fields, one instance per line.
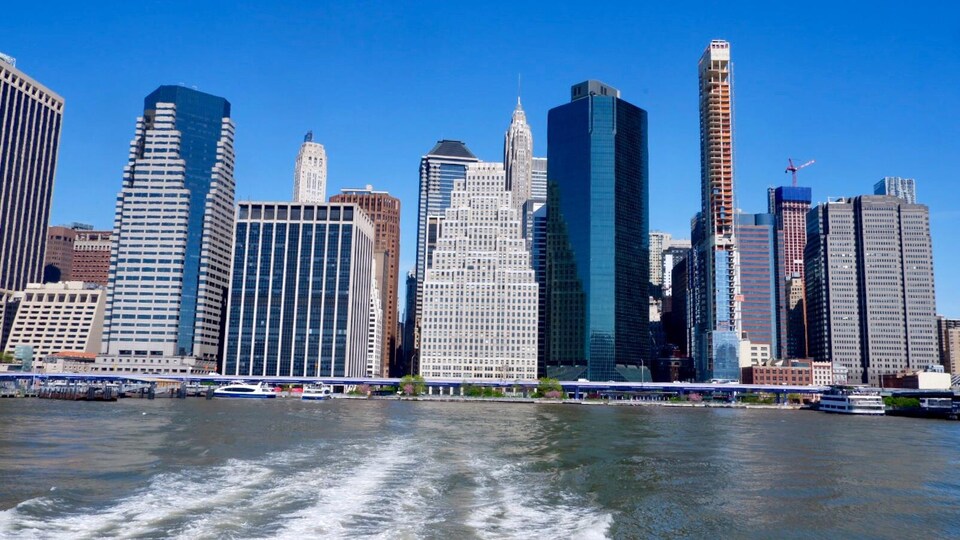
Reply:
x=868 y=92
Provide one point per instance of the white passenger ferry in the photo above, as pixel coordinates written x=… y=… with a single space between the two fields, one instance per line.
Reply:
x=317 y=393
x=852 y=400
x=242 y=390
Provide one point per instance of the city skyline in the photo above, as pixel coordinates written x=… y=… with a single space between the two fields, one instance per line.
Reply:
x=857 y=133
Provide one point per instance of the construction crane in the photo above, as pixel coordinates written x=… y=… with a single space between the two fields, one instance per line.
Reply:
x=791 y=168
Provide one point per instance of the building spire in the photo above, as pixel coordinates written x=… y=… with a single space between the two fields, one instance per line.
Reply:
x=518 y=92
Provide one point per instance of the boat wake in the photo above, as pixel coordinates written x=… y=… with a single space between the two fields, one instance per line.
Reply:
x=399 y=489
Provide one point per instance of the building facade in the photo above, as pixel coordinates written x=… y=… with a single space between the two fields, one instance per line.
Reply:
x=440 y=168
x=384 y=211
x=895 y=186
x=480 y=297
x=172 y=233
x=518 y=157
x=30 y=117
x=538 y=179
x=299 y=302
x=54 y=317
x=91 y=257
x=597 y=269
x=949 y=341
x=310 y=172
x=375 y=366
x=717 y=322
x=58 y=257
x=789 y=205
x=869 y=286
x=756 y=241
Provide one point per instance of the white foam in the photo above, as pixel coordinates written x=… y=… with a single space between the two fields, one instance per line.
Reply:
x=512 y=504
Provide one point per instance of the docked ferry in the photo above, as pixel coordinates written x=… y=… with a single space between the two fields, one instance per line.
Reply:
x=317 y=393
x=242 y=390
x=852 y=400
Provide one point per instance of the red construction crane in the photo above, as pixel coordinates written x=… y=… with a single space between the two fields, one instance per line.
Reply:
x=791 y=168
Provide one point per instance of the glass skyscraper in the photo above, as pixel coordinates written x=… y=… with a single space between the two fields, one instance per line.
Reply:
x=172 y=235
x=597 y=268
x=300 y=295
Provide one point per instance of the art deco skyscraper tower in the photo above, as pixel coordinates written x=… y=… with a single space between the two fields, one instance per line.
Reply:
x=518 y=157
x=310 y=172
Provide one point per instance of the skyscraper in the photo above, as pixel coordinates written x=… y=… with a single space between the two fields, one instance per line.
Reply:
x=659 y=241
x=58 y=257
x=903 y=188
x=30 y=116
x=480 y=297
x=597 y=271
x=310 y=172
x=300 y=291
x=173 y=231
x=717 y=331
x=443 y=165
x=759 y=278
x=538 y=179
x=789 y=205
x=869 y=284
x=518 y=157
x=384 y=211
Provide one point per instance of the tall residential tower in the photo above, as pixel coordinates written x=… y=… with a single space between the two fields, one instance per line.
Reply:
x=717 y=331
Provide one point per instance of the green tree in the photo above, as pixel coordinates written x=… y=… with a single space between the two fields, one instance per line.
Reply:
x=6 y=358
x=547 y=387
x=413 y=385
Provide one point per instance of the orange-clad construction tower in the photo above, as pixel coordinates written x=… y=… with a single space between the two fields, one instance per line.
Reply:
x=716 y=324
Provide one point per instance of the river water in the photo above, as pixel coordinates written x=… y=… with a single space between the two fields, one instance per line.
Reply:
x=347 y=468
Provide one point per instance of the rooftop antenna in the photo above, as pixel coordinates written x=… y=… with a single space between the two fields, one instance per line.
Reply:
x=518 y=89
x=308 y=137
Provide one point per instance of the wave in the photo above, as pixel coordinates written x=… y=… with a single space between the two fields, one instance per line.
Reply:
x=400 y=488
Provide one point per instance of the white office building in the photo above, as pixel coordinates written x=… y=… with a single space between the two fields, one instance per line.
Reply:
x=375 y=328
x=310 y=172
x=480 y=295
x=55 y=317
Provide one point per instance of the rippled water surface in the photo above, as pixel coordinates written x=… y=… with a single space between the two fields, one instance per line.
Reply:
x=284 y=468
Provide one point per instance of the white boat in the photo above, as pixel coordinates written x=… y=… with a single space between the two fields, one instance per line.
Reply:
x=316 y=393
x=243 y=390
x=852 y=400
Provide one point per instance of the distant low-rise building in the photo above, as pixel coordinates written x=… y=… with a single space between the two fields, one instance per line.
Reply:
x=932 y=379
x=67 y=362
x=794 y=374
x=823 y=373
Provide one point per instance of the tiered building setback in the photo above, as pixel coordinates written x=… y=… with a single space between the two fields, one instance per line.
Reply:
x=172 y=235
x=480 y=295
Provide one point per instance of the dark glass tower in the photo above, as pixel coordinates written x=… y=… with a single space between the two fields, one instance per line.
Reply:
x=597 y=270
